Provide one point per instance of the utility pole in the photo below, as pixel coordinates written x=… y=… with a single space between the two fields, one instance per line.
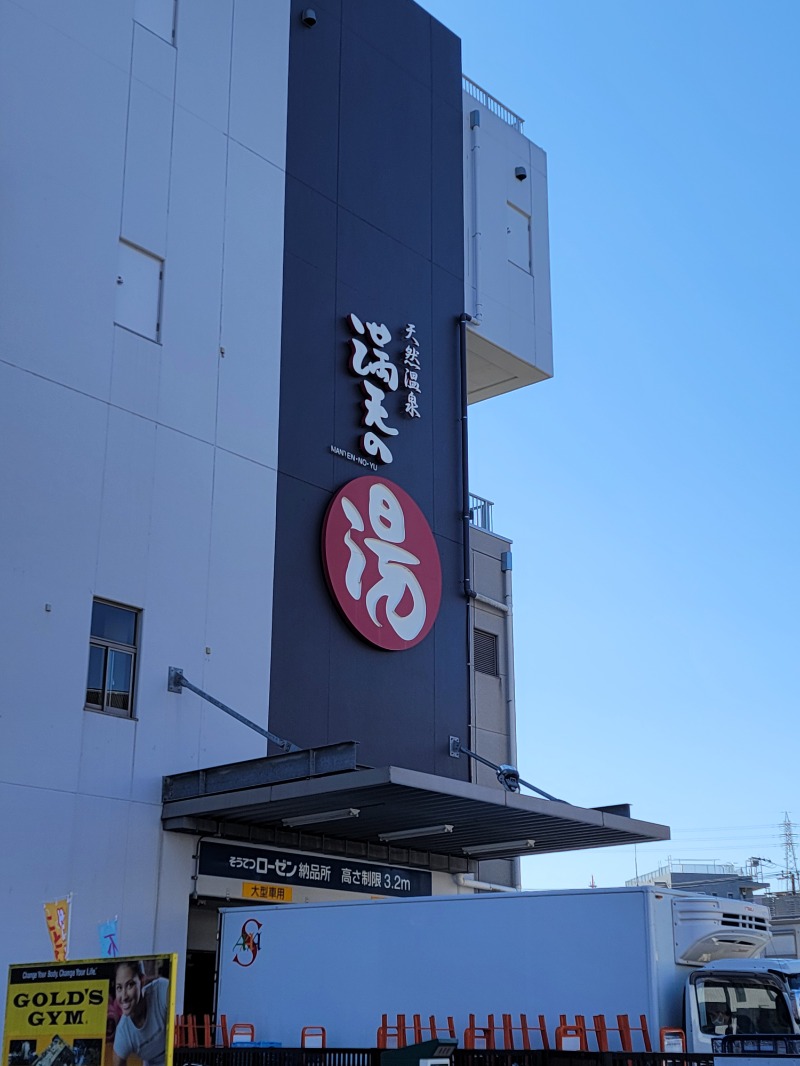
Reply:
x=790 y=872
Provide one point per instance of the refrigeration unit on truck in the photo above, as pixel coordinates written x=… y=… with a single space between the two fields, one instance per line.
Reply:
x=635 y=951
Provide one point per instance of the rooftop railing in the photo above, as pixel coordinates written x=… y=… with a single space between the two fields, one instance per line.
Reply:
x=492 y=103
x=480 y=512
x=662 y=874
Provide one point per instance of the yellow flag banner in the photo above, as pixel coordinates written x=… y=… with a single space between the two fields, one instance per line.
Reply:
x=56 y=915
x=95 y=1012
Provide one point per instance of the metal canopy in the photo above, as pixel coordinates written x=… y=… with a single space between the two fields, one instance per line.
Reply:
x=250 y=801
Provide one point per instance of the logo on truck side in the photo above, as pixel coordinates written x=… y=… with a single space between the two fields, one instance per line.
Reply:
x=249 y=942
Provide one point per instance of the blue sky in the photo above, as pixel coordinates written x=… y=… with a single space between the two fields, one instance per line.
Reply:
x=651 y=488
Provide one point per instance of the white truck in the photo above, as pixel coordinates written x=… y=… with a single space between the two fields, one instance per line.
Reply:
x=633 y=951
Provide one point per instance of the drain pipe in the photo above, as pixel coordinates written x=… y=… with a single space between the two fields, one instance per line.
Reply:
x=467 y=881
x=474 y=126
x=196 y=874
x=469 y=591
x=511 y=705
x=511 y=709
x=506 y=608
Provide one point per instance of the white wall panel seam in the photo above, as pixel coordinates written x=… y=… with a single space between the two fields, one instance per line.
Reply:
x=165 y=281
x=127 y=131
x=103 y=471
x=53 y=381
x=260 y=155
x=24 y=10
x=136 y=414
x=219 y=353
x=246 y=458
x=157 y=886
x=85 y=793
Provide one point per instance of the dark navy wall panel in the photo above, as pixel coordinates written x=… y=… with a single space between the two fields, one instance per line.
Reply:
x=313 y=219
x=447 y=212
x=302 y=619
x=308 y=382
x=385 y=166
x=397 y=31
x=373 y=226
x=313 y=113
x=450 y=642
x=445 y=66
x=445 y=413
x=381 y=276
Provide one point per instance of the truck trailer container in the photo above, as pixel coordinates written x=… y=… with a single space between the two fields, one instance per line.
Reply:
x=578 y=952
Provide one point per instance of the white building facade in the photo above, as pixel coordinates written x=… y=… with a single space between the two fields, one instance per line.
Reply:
x=145 y=237
x=203 y=204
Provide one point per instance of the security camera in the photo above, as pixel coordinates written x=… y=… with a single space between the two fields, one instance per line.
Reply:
x=309 y=17
x=508 y=776
x=520 y=173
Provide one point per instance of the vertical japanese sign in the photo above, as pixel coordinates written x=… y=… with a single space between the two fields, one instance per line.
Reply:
x=371 y=362
x=56 y=915
x=93 y=1012
x=411 y=371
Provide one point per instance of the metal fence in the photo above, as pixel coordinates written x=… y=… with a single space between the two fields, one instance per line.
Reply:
x=263 y=1056
x=577 y=1058
x=255 y=1056
x=756 y=1045
x=492 y=103
x=480 y=512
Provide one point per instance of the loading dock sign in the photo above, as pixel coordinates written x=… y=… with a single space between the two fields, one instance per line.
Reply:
x=283 y=868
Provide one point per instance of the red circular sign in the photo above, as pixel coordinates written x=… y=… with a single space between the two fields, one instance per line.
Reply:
x=381 y=563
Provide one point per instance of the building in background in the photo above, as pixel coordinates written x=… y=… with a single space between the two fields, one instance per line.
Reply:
x=255 y=263
x=785 y=916
x=714 y=879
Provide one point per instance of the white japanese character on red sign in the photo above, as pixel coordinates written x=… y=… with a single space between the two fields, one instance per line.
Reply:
x=396 y=578
x=382 y=563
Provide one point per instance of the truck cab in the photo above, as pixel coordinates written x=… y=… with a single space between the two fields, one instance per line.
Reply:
x=743 y=998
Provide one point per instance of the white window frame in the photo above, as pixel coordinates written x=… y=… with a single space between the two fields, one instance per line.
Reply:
x=105 y=707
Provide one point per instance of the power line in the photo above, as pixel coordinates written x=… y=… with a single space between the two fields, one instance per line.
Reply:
x=777 y=826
